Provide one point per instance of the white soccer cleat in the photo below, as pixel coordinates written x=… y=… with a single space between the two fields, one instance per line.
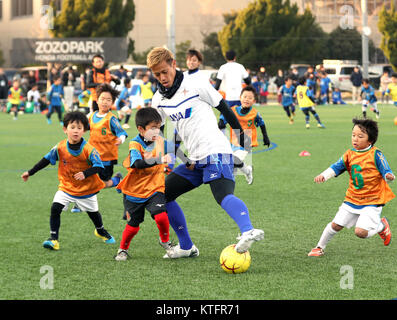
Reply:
x=248 y=238
x=176 y=252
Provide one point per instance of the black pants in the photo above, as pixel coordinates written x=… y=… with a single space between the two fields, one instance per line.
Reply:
x=58 y=109
x=176 y=185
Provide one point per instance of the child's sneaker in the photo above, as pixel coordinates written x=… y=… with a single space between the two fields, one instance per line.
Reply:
x=51 y=244
x=166 y=245
x=106 y=237
x=49 y=121
x=291 y=121
x=307 y=126
x=248 y=238
x=316 y=252
x=249 y=174
x=320 y=125
x=385 y=234
x=122 y=255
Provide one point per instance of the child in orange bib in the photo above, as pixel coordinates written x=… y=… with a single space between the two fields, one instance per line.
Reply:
x=144 y=185
x=368 y=189
x=106 y=133
x=79 y=165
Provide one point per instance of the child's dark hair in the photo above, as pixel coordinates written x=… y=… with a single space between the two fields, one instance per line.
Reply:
x=366 y=80
x=369 y=126
x=98 y=56
x=250 y=89
x=194 y=53
x=230 y=55
x=126 y=81
x=146 y=115
x=302 y=81
x=394 y=75
x=105 y=87
x=76 y=116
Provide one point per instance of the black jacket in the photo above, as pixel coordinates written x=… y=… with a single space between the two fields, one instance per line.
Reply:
x=356 y=78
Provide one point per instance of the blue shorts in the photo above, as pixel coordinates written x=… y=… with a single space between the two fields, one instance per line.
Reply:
x=211 y=168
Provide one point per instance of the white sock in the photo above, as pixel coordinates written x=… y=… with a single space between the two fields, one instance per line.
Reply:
x=327 y=235
x=244 y=169
x=379 y=228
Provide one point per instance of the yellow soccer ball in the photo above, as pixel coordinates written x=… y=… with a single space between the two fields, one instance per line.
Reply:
x=233 y=262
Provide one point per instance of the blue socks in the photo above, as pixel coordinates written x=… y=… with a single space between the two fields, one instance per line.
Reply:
x=178 y=223
x=238 y=211
x=234 y=207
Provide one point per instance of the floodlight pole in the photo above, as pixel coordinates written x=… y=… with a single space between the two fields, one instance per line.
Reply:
x=364 y=37
x=170 y=21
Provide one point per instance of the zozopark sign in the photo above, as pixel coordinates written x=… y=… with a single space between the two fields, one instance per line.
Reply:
x=75 y=50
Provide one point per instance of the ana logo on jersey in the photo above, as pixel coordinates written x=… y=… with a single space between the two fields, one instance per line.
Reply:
x=180 y=115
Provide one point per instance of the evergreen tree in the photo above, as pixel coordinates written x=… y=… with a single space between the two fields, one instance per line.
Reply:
x=95 y=18
x=345 y=44
x=387 y=25
x=212 y=51
x=273 y=33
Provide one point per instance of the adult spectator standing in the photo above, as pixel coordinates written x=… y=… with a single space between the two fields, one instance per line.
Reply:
x=121 y=73
x=3 y=89
x=279 y=82
x=32 y=78
x=294 y=75
x=356 y=79
x=98 y=74
x=68 y=77
x=232 y=74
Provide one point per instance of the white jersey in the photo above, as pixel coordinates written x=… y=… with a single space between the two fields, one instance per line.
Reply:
x=232 y=75
x=196 y=75
x=190 y=110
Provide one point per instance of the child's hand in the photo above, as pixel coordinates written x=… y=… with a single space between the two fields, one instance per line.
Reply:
x=319 y=179
x=389 y=177
x=25 y=176
x=166 y=159
x=118 y=142
x=79 y=176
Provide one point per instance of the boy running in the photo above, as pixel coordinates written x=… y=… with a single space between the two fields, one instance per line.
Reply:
x=106 y=133
x=369 y=98
x=392 y=89
x=306 y=103
x=249 y=118
x=368 y=189
x=79 y=165
x=287 y=92
x=143 y=187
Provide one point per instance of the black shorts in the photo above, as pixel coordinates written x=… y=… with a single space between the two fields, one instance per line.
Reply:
x=107 y=173
x=136 y=211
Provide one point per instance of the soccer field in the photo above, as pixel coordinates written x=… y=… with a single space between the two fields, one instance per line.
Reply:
x=283 y=201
